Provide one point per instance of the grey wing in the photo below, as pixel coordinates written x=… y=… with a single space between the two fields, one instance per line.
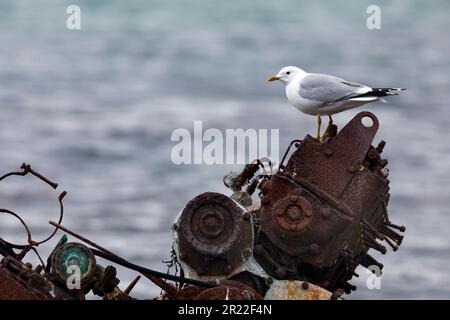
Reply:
x=329 y=89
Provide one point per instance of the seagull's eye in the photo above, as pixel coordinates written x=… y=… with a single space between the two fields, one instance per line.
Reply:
x=288 y=72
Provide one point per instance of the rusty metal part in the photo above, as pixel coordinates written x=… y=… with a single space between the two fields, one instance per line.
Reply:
x=324 y=209
x=243 y=198
x=330 y=133
x=29 y=237
x=229 y=290
x=107 y=282
x=293 y=213
x=27 y=169
x=257 y=283
x=18 y=281
x=246 y=174
x=73 y=254
x=337 y=294
x=348 y=148
x=285 y=224
x=296 y=290
x=295 y=143
x=103 y=282
x=117 y=294
x=225 y=290
x=131 y=285
x=154 y=276
x=187 y=292
x=6 y=249
x=213 y=235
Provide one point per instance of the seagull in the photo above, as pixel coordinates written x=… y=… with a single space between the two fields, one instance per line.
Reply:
x=322 y=94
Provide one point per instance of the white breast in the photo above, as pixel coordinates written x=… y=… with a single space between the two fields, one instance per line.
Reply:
x=304 y=105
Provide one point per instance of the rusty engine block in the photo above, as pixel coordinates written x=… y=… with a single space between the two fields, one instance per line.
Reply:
x=318 y=217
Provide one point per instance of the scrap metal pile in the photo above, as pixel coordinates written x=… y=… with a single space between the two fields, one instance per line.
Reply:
x=319 y=215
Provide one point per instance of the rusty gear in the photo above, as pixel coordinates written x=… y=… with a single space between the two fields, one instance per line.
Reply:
x=214 y=234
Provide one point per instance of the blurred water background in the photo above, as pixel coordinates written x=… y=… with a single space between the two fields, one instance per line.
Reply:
x=94 y=110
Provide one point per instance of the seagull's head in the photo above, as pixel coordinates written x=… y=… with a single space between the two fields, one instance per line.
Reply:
x=286 y=75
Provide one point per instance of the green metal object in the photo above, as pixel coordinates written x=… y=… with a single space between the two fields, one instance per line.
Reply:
x=74 y=260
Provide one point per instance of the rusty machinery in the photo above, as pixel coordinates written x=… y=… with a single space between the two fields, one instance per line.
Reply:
x=318 y=216
x=71 y=271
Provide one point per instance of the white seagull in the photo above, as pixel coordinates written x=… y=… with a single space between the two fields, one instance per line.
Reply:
x=321 y=94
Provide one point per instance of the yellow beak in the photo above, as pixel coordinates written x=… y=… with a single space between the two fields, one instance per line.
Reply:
x=273 y=78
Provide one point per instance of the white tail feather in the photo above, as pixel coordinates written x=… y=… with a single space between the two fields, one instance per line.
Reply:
x=364 y=99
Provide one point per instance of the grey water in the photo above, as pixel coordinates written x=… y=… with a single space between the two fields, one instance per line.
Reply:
x=94 y=109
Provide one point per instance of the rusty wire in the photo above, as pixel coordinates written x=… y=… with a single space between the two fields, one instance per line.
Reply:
x=26 y=168
x=30 y=240
x=297 y=143
x=174 y=263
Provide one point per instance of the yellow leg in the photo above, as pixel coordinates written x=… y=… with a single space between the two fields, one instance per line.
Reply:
x=319 y=123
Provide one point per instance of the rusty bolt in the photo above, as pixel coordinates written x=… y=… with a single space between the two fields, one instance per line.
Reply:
x=228 y=269
x=269 y=281
x=373 y=154
x=293 y=213
x=24 y=274
x=280 y=272
x=305 y=285
x=383 y=163
x=259 y=249
x=37 y=281
x=264 y=186
x=38 y=268
x=314 y=248
x=381 y=145
x=308 y=213
x=337 y=294
x=328 y=152
x=326 y=213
